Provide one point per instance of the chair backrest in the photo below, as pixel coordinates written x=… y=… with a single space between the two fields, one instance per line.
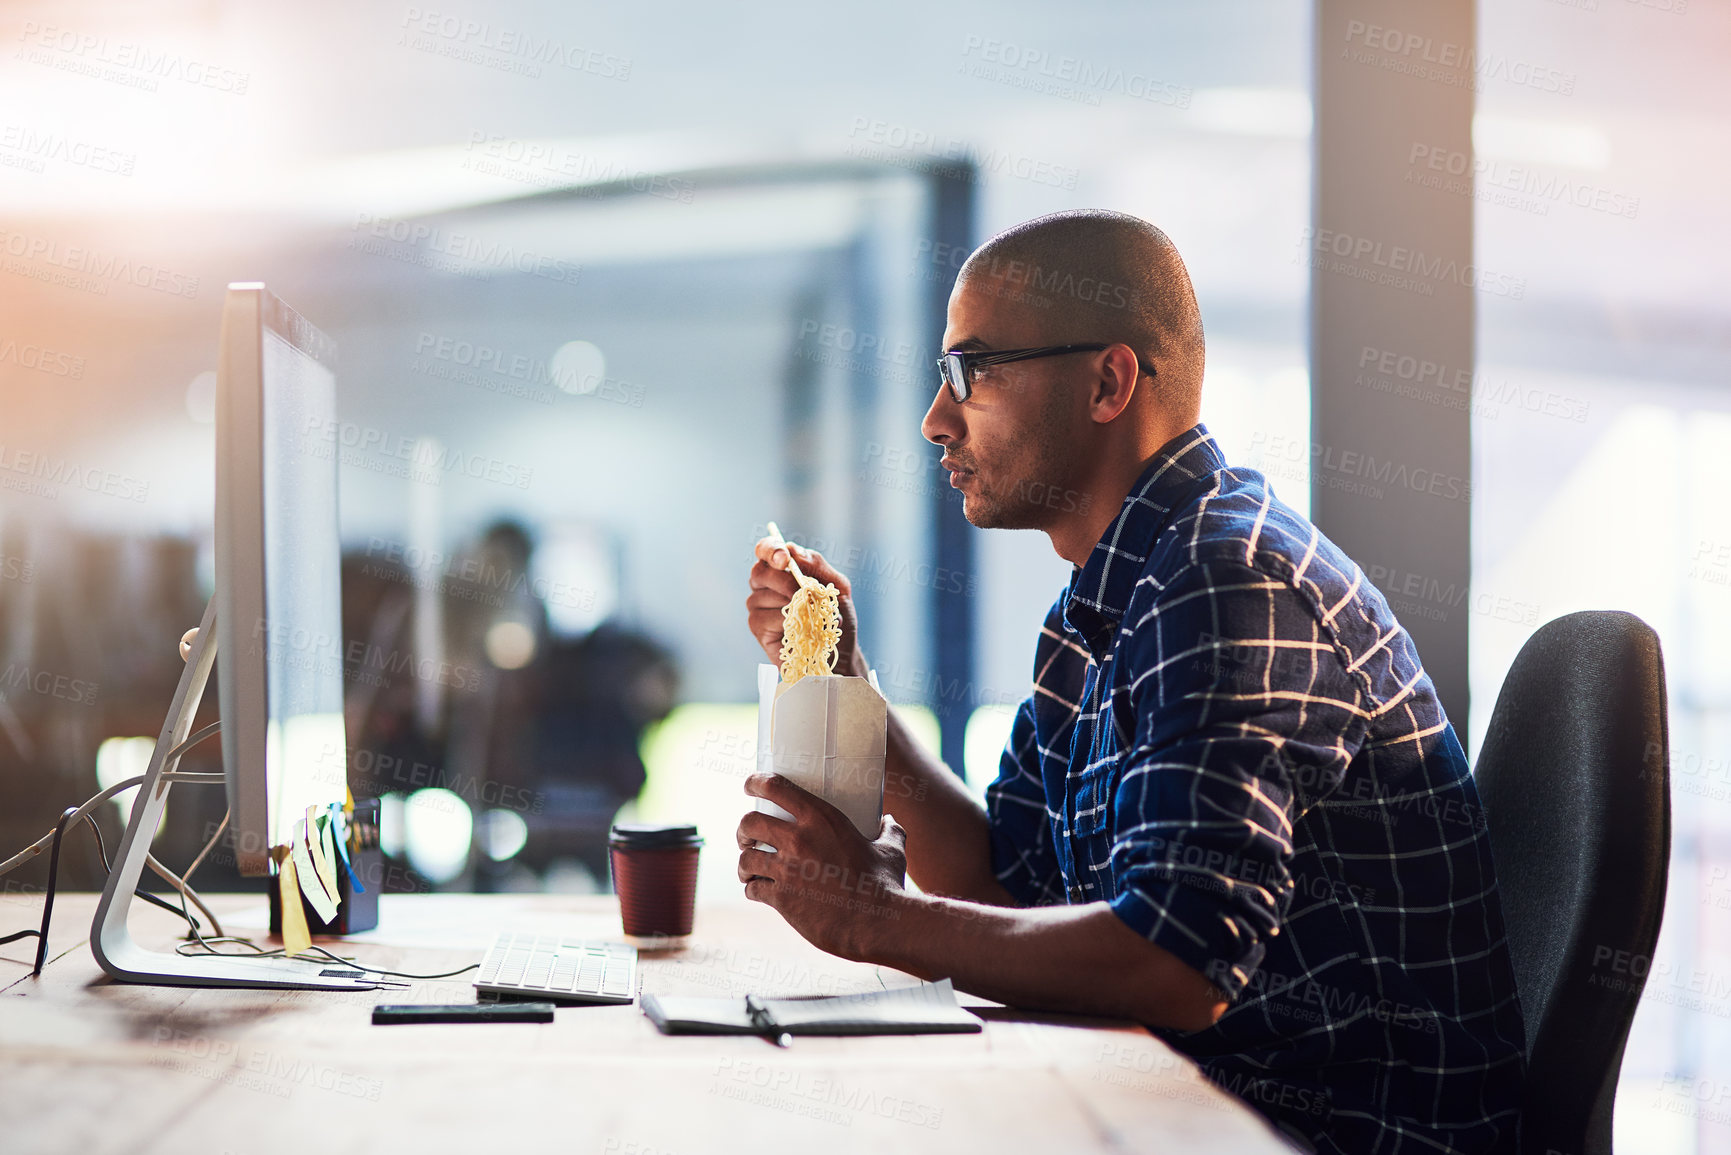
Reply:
x=1575 y=784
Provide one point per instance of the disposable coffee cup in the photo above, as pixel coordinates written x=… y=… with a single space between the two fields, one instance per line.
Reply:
x=655 y=876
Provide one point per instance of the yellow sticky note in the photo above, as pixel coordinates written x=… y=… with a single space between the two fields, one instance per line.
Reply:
x=295 y=936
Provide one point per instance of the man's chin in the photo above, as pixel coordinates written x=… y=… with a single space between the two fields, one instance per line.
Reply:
x=983 y=513
x=978 y=512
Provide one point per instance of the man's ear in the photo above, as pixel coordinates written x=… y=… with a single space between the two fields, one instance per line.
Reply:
x=1115 y=385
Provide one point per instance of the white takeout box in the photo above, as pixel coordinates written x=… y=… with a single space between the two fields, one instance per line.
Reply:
x=826 y=734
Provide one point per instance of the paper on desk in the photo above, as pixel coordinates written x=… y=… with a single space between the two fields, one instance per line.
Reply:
x=929 y=1008
x=295 y=936
x=826 y=734
x=306 y=874
x=926 y=1003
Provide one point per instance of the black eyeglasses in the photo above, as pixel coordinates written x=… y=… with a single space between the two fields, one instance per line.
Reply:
x=957 y=368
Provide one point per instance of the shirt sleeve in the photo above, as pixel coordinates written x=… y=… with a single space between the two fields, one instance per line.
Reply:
x=1022 y=855
x=1239 y=702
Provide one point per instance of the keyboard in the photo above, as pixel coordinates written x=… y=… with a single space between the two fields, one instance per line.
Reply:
x=575 y=970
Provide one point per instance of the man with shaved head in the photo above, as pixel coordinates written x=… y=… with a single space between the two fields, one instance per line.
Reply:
x=1232 y=808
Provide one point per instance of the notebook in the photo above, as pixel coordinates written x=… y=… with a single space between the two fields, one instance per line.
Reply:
x=929 y=1008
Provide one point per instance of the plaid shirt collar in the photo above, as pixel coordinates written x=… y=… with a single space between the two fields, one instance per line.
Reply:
x=1100 y=590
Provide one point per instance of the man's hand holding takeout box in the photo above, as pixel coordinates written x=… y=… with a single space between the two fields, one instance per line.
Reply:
x=824 y=873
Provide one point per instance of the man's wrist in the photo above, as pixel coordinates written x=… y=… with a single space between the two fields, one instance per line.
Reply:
x=884 y=931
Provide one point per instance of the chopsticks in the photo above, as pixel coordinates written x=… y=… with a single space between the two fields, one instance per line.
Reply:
x=780 y=542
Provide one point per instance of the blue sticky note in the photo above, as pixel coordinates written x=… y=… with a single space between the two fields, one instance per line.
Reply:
x=339 y=827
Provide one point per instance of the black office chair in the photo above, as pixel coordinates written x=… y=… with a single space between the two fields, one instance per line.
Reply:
x=1575 y=783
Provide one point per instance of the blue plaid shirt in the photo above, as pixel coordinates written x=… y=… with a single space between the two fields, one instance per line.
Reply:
x=1231 y=740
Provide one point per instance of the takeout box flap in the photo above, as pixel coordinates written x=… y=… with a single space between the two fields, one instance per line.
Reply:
x=801 y=712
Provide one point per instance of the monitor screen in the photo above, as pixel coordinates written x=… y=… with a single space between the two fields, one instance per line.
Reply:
x=279 y=658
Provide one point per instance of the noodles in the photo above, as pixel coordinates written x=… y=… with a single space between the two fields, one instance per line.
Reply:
x=810 y=622
x=811 y=631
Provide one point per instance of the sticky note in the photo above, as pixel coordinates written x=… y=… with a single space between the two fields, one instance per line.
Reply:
x=342 y=830
x=307 y=874
x=319 y=842
x=349 y=873
x=295 y=936
x=320 y=867
x=330 y=860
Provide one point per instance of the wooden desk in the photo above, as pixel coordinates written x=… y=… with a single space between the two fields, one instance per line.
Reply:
x=91 y=1066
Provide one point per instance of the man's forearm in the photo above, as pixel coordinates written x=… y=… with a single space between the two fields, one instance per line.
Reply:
x=949 y=841
x=1080 y=959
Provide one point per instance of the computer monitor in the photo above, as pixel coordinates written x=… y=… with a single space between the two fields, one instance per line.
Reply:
x=275 y=620
x=278 y=588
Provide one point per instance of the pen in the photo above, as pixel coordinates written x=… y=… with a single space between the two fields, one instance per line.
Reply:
x=765 y=1022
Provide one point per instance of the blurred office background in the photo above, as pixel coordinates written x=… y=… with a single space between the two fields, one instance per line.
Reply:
x=613 y=286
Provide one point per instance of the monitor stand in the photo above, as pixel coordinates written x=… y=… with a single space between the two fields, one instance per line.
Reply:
x=110 y=940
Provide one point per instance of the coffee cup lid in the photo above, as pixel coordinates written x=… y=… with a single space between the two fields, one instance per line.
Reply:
x=653 y=836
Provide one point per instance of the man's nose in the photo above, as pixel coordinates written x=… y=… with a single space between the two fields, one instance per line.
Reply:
x=942 y=423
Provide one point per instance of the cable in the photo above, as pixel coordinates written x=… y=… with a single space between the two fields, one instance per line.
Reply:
x=252 y=947
x=53 y=838
x=256 y=951
x=53 y=872
x=71 y=817
x=186 y=892
x=192 y=741
x=101 y=847
x=208 y=847
x=102 y=852
x=42 y=843
x=380 y=971
x=185 y=888
x=68 y=815
x=179 y=881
